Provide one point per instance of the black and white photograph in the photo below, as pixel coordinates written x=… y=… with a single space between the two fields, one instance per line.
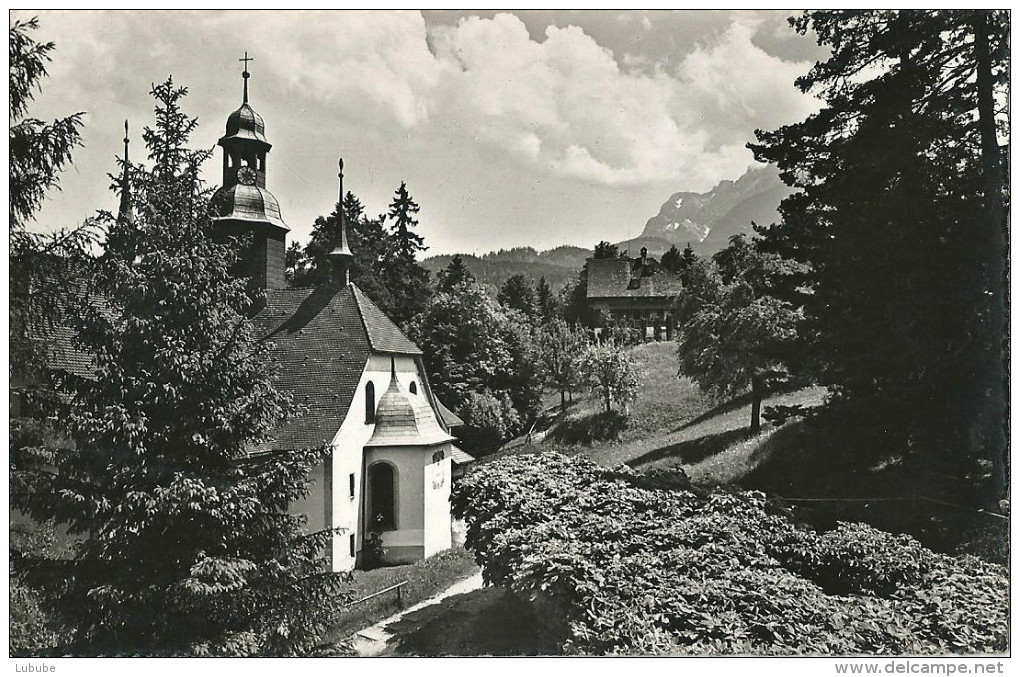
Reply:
x=431 y=334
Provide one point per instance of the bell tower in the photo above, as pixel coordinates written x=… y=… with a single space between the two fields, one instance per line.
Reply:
x=243 y=208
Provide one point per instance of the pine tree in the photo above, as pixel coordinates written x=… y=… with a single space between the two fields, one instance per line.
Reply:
x=687 y=261
x=517 y=294
x=368 y=241
x=671 y=260
x=545 y=301
x=897 y=216
x=403 y=210
x=43 y=267
x=407 y=280
x=186 y=543
x=455 y=273
x=607 y=250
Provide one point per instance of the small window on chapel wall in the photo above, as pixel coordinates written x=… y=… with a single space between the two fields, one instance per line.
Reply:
x=369 y=402
x=413 y=388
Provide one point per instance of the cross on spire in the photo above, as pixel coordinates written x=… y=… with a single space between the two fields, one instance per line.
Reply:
x=246 y=74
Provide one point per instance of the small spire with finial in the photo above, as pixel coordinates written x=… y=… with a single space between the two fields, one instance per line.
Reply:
x=342 y=255
x=246 y=74
x=126 y=212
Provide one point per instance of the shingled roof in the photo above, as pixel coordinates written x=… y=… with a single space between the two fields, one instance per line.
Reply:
x=405 y=421
x=627 y=278
x=323 y=338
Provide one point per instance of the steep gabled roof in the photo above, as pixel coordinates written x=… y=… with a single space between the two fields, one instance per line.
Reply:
x=384 y=336
x=323 y=338
x=625 y=278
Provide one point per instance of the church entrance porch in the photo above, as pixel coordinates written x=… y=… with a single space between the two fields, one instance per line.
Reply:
x=406 y=506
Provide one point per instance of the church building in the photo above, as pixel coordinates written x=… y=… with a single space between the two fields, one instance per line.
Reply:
x=360 y=379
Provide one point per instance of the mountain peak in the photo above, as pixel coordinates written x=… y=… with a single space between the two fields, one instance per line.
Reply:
x=707 y=220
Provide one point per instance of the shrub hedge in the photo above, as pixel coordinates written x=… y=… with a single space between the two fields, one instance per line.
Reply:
x=620 y=567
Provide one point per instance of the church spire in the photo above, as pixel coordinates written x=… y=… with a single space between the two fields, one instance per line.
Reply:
x=126 y=212
x=342 y=255
x=246 y=74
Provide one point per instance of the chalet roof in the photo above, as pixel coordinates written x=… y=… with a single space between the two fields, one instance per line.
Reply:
x=323 y=338
x=630 y=278
x=403 y=420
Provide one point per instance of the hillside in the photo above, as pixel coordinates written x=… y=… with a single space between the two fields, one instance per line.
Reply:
x=556 y=265
x=708 y=220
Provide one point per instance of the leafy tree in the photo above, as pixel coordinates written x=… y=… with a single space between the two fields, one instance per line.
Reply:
x=489 y=421
x=609 y=373
x=546 y=304
x=574 y=302
x=455 y=273
x=406 y=279
x=460 y=334
x=517 y=293
x=523 y=380
x=897 y=215
x=560 y=348
x=186 y=546
x=732 y=334
x=472 y=345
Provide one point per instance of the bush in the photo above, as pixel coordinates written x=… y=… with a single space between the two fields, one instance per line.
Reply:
x=490 y=420
x=592 y=427
x=621 y=568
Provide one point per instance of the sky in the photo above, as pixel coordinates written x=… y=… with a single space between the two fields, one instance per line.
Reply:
x=513 y=128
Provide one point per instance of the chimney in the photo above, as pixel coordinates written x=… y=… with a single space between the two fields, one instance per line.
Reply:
x=644 y=255
x=340 y=257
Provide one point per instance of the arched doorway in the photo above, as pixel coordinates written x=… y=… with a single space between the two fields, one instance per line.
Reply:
x=382 y=483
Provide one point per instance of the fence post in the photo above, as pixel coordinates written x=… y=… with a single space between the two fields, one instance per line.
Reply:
x=400 y=598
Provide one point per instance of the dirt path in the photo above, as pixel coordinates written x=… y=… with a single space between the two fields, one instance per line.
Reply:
x=375 y=640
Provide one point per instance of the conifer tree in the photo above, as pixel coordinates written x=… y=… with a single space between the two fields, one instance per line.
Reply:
x=545 y=301
x=368 y=241
x=407 y=280
x=671 y=259
x=897 y=214
x=517 y=294
x=186 y=544
x=455 y=273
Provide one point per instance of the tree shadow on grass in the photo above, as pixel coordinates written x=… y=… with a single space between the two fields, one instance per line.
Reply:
x=486 y=622
x=692 y=451
x=721 y=408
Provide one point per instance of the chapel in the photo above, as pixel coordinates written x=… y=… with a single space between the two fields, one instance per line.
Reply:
x=386 y=481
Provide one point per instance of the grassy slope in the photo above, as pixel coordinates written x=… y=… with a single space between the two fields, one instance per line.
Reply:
x=674 y=423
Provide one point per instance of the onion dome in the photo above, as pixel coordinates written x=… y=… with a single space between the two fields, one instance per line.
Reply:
x=244 y=202
x=402 y=420
x=245 y=123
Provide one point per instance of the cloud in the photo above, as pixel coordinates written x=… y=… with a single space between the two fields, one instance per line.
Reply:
x=595 y=121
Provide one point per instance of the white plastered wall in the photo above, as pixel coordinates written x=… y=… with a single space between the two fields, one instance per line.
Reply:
x=348 y=454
